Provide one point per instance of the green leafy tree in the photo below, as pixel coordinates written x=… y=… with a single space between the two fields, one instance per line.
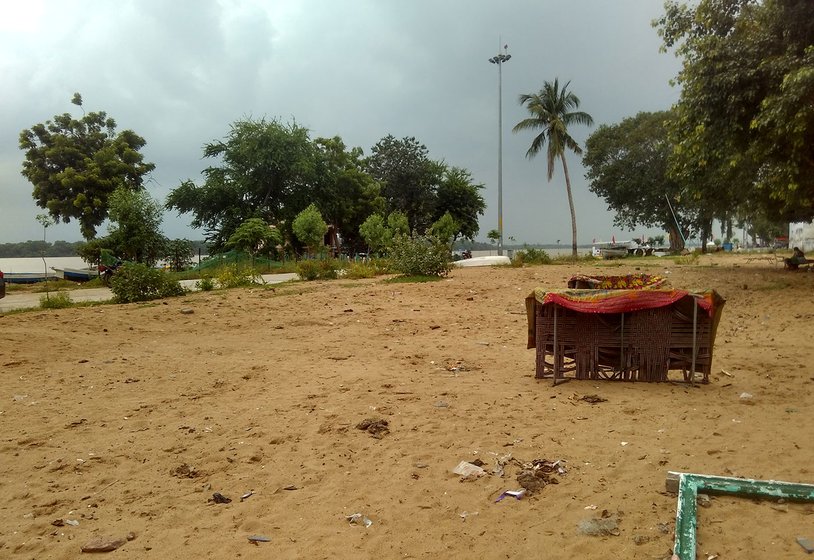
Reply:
x=553 y=110
x=265 y=170
x=254 y=235
x=445 y=229
x=493 y=235
x=345 y=193
x=458 y=196
x=310 y=228
x=744 y=126
x=398 y=224
x=375 y=233
x=178 y=253
x=627 y=165
x=135 y=227
x=75 y=165
x=409 y=178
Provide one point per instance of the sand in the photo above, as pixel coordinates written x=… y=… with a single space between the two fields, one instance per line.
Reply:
x=128 y=418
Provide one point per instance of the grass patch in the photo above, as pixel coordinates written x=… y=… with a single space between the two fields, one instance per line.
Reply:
x=359 y=270
x=690 y=259
x=412 y=279
x=59 y=300
x=570 y=259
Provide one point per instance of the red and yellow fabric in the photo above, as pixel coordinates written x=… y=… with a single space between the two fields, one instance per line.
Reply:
x=627 y=282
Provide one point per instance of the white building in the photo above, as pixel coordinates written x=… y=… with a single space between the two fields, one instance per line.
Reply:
x=801 y=234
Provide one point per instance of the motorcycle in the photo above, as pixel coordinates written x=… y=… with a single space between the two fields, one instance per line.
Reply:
x=106 y=271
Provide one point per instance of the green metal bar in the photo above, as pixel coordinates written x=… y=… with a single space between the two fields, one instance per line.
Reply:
x=686 y=518
x=690 y=484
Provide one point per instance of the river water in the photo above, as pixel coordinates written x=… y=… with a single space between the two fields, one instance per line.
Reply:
x=35 y=264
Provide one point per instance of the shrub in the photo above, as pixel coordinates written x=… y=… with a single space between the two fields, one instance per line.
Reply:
x=689 y=259
x=235 y=276
x=360 y=270
x=329 y=269
x=530 y=255
x=205 y=284
x=308 y=270
x=420 y=256
x=59 y=300
x=138 y=282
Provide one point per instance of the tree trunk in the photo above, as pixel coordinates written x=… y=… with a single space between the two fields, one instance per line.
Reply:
x=676 y=241
x=706 y=231
x=571 y=206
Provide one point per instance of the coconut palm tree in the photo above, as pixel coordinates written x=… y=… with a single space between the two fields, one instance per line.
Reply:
x=553 y=110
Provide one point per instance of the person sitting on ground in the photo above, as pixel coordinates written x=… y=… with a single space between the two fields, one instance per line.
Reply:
x=798 y=258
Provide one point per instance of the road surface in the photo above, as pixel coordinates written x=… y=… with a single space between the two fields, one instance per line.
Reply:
x=29 y=299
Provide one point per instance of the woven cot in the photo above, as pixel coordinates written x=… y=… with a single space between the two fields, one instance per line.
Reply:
x=633 y=335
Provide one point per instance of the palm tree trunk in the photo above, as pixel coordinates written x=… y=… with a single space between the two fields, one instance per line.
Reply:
x=571 y=206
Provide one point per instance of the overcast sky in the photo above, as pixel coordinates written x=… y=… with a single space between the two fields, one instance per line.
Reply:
x=179 y=72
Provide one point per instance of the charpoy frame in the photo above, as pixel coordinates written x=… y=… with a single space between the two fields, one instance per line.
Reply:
x=689 y=485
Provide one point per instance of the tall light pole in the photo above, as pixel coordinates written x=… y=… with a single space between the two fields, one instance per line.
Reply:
x=499 y=60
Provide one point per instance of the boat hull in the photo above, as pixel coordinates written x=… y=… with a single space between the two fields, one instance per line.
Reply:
x=493 y=260
x=28 y=277
x=77 y=274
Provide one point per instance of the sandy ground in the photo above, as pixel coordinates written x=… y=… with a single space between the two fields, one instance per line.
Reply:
x=129 y=418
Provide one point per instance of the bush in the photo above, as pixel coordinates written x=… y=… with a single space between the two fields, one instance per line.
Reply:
x=235 y=276
x=138 y=282
x=420 y=256
x=359 y=270
x=59 y=300
x=318 y=269
x=329 y=269
x=530 y=255
x=205 y=284
x=308 y=270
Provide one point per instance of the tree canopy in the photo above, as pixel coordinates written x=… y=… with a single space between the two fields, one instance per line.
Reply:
x=310 y=228
x=459 y=197
x=409 y=178
x=262 y=166
x=744 y=125
x=254 y=235
x=627 y=165
x=273 y=171
x=75 y=165
x=135 y=227
x=344 y=192
x=423 y=189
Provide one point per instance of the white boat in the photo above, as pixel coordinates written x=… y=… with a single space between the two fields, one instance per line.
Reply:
x=28 y=277
x=619 y=249
x=489 y=260
x=76 y=274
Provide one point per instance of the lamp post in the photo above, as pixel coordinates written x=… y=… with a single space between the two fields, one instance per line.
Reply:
x=499 y=60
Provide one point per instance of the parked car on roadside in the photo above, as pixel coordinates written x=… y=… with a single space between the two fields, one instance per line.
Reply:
x=2 y=285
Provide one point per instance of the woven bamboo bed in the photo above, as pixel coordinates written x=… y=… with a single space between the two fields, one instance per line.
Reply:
x=671 y=330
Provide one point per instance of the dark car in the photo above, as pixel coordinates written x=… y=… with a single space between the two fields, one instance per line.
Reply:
x=2 y=285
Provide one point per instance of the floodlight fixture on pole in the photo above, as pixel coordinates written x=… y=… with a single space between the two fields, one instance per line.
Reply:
x=500 y=59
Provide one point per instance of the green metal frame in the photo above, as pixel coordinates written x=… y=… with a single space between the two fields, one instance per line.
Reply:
x=690 y=485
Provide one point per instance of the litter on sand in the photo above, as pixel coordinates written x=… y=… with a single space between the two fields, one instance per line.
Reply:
x=258 y=538
x=359 y=519
x=465 y=468
x=516 y=494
